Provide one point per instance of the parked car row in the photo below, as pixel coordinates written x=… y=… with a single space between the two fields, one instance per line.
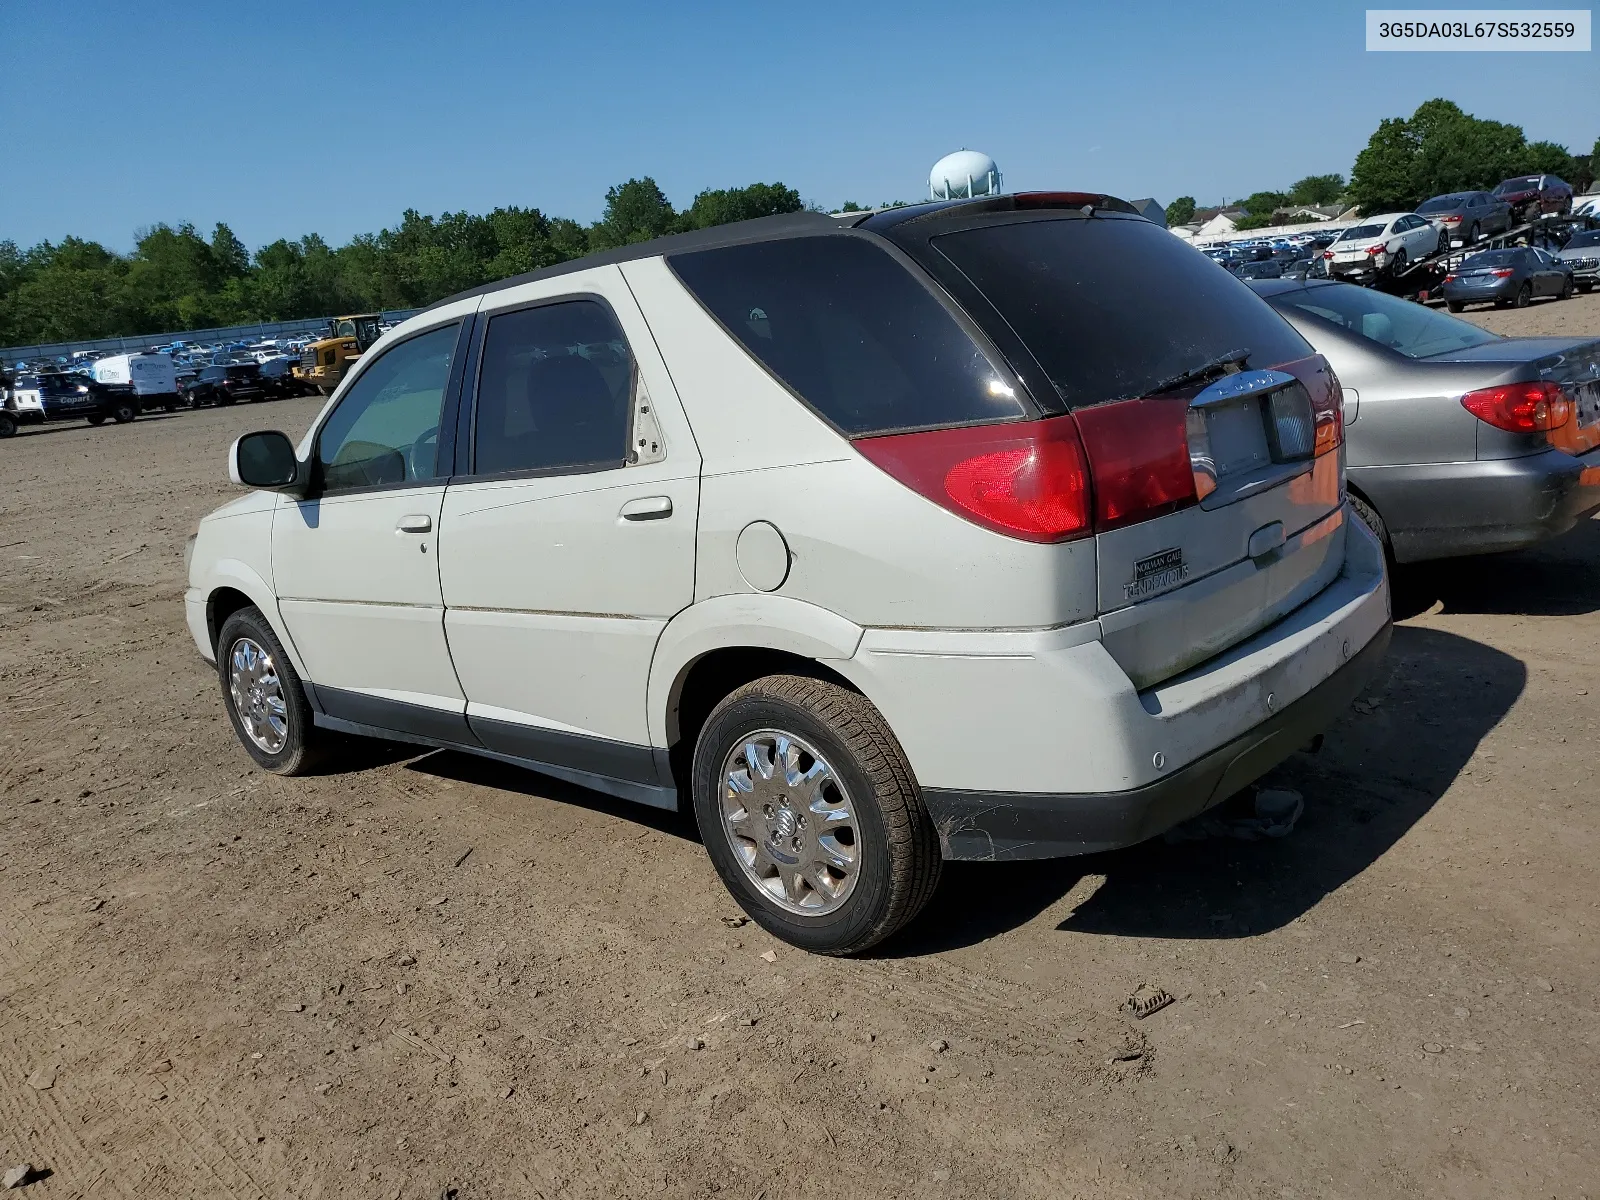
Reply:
x=120 y=387
x=39 y=398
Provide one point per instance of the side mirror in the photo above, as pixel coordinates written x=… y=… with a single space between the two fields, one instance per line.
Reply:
x=264 y=460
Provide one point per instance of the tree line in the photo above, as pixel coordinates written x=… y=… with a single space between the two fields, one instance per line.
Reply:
x=1437 y=150
x=175 y=278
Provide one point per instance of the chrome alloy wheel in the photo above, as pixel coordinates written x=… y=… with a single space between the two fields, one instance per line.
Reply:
x=258 y=695
x=790 y=822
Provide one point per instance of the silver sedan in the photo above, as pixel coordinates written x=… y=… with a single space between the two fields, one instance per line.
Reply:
x=1458 y=441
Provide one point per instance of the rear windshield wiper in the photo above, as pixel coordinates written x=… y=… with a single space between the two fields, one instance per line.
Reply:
x=1206 y=370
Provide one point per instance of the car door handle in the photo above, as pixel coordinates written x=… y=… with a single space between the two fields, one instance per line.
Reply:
x=647 y=508
x=415 y=523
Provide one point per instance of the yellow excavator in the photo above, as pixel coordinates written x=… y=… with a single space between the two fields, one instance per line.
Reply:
x=324 y=361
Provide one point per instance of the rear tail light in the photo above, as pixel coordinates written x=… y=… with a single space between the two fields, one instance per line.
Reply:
x=1448 y=279
x=1520 y=407
x=1327 y=412
x=1503 y=273
x=1374 y=249
x=1139 y=459
x=1029 y=480
x=1451 y=220
x=1327 y=254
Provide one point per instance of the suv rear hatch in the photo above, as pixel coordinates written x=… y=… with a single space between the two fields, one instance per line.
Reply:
x=1211 y=429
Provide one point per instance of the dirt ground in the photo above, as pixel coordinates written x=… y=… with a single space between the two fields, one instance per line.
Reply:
x=432 y=976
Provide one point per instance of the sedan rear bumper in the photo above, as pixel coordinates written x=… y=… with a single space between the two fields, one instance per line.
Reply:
x=1443 y=510
x=1466 y=293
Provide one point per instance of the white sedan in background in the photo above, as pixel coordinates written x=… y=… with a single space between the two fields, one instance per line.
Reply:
x=1386 y=242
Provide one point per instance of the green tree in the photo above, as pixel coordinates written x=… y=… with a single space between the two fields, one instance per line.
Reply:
x=1254 y=221
x=1381 y=177
x=1261 y=204
x=725 y=205
x=232 y=259
x=1438 y=149
x=1180 y=211
x=635 y=211
x=1317 y=189
x=1548 y=158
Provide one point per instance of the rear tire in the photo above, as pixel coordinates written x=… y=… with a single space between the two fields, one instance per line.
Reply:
x=124 y=411
x=248 y=647
x=8 y=425
x=1525 y=296
x=850 y=774
x=1454 y=306
x=1398 y=263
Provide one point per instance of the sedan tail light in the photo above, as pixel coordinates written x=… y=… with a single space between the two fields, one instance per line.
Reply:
x=1520 y=407
x=1503 y=273
x=1456 y=220
x=1327 y=254
x=1374 y=249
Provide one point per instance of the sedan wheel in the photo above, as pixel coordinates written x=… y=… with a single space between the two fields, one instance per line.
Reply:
x=1525 y=296
x=1472 y=234
x=1454 y=305
x=1566 y=289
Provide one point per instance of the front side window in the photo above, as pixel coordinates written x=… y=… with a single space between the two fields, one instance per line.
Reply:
x=555 y=391
x=1413 y=330
x=386 y=428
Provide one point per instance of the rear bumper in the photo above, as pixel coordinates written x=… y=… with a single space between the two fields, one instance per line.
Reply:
x=1444 y=510
x=1037 y=743
x=996 y=826
x=1501 y=289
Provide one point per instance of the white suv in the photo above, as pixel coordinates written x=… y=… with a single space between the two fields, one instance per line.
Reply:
x=1387 y=242
x=999 y=529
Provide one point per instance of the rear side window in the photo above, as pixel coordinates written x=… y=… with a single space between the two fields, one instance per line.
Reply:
x=851 y=332
x=555 y=390
x=1110 y=308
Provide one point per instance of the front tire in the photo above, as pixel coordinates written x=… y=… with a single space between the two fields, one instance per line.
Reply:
x=1566 y=289
x=97 y=419
x=812 y=816
x=8 y=425
x=264 y=698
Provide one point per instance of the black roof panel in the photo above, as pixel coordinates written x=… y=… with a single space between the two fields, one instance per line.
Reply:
x=760 y=229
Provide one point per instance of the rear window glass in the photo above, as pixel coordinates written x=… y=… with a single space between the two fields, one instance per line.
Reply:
x=851 y=332
x=1443 y=204
x=1410 y=329
x=1492 y=258
x=1360 y=231
x=1111 y=307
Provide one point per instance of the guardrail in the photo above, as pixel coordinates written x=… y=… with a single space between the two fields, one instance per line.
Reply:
x=259 y=331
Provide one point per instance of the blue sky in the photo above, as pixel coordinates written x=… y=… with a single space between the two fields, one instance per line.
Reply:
x=294 y=117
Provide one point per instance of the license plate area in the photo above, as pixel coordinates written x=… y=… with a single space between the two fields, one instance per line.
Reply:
x=1249 y=432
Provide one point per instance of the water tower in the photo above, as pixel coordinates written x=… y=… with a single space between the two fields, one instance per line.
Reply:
x=963 y=175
